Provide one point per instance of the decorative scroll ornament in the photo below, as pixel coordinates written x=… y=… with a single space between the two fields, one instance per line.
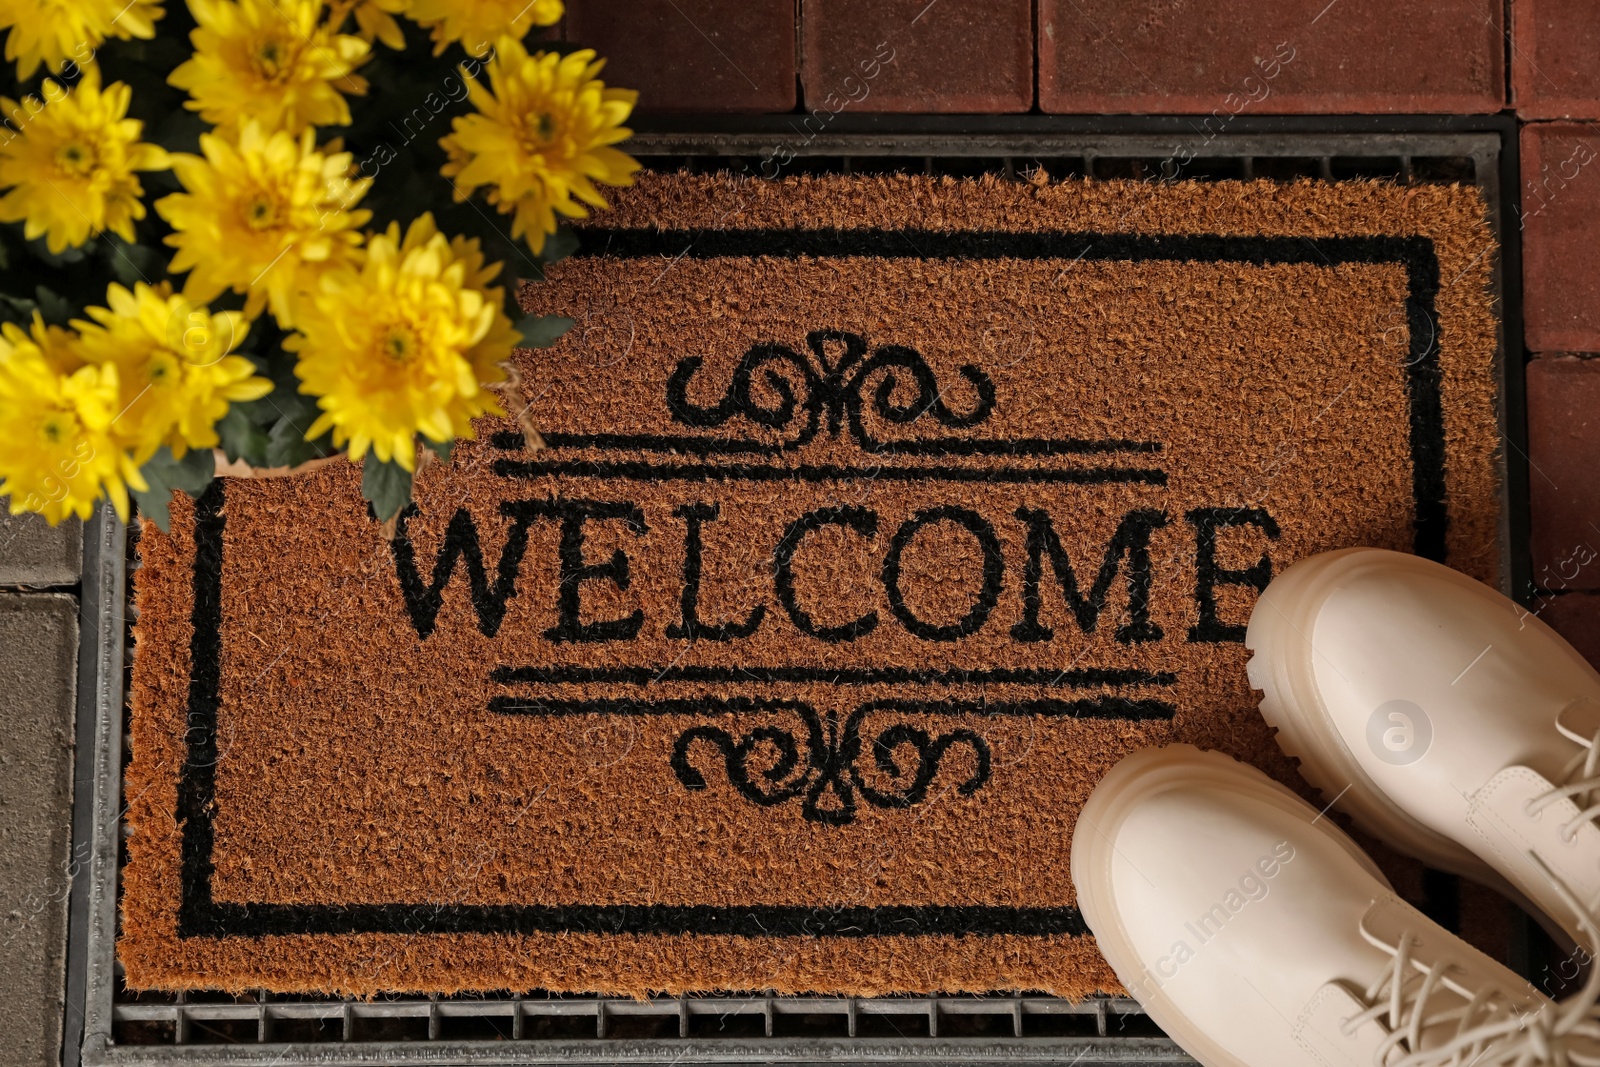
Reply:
x=829 y=386
x=769 y=766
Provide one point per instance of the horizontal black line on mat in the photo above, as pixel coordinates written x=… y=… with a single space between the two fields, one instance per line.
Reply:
x=629 y=470
x=893 y=920
x=1104 y=707
x=643 y=442
x=1072 y=677
x=879 y=243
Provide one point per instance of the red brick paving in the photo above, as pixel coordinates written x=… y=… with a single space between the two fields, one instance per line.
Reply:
x=1561 y=236
x=1564 y=472
x=1555 y=66
x=947 y=56
x=1367 y=56
x=1577 y=618
x=693 y=55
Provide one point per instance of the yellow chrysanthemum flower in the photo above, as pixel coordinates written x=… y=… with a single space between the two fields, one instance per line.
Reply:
x=376 y=21
x=477 y=22
x=54 y=31
x=406 y=344
x=541 y=138
x=56 y=345
x=261 y=217
x=173 y=366
x=274 y=61
x=58 y=454
x=71 y=167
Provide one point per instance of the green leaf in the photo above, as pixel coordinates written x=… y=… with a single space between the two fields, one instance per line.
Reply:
x=64 y=258
x=18 y=309
x=276 y=405
x=559 y=245
x=442 y=449
x=299 y=408
x=53 y=306
x=131 y=263
x=192 y=474
x=287 y=413
x=287 y=445
x=242 y=438
x=386 y=486
x=541 y=331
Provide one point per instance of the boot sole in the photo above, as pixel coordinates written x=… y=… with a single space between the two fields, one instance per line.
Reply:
x=1113 y=799
x=1281 y=668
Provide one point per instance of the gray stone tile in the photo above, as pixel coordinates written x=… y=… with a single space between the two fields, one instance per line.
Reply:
x=34 y=553
x=38 y=652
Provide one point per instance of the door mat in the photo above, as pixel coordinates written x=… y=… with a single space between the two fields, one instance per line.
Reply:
x=879 y=517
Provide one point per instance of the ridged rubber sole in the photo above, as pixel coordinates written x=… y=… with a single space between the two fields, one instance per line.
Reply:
x=1118 y=793
x=1280 y=666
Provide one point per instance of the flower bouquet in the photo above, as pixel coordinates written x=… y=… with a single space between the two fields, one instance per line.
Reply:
x=259 y=234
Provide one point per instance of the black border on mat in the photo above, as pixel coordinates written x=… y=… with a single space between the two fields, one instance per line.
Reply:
x=200 y=915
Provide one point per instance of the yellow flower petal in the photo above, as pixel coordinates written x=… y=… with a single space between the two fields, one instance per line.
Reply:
x=262 y=217
x=56 y=32
x=540 y=139
x=404 y=344
x=170 y=358
x=476 y=23
x=71 y=166
x=57 y=452
x=276 y=62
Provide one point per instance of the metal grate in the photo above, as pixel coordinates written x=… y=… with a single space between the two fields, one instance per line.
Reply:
x=1468 y=158
x=1407 y=169
x=117 y=1026
x=265 y=1019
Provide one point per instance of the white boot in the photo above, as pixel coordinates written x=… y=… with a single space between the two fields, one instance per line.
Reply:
x=1256 y=934
x=1443 y=717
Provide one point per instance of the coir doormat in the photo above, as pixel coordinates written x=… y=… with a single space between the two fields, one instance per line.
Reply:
x=879 y=517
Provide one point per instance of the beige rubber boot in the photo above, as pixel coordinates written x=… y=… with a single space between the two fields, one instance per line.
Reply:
x=1443 y=717
x=1256 y=934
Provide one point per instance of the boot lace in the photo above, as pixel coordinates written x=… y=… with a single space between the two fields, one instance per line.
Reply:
x=1582 y=775
x=1491 y=1030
